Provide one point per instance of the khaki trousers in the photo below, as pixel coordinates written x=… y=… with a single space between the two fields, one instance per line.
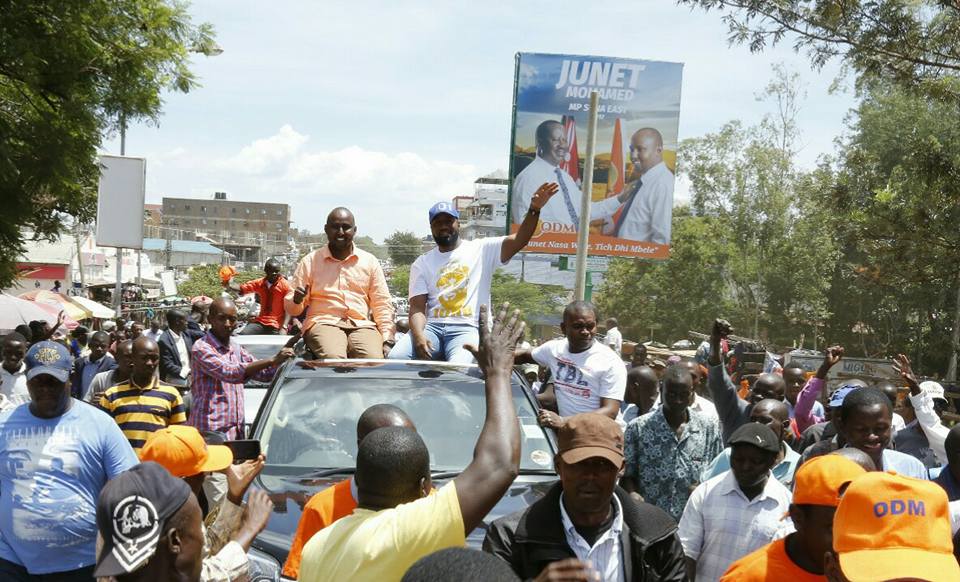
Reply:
x=343 y=341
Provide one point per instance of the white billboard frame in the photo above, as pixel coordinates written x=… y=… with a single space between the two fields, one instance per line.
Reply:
x=120 y=198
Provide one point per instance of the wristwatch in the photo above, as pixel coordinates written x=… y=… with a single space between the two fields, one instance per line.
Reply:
x=533 y=211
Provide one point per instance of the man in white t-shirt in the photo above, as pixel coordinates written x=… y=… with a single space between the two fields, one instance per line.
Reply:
x=449 y=283
x=614 y=339
x=587 y=375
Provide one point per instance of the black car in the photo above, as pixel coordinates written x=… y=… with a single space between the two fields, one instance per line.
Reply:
x=307 y=428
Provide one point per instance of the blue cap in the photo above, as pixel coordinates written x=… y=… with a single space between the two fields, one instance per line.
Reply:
x=836 y=399
x=443 y=208
x=49 y=358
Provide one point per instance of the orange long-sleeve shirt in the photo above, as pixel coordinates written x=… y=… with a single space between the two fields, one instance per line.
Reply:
x=353 y=290
x=320 y=511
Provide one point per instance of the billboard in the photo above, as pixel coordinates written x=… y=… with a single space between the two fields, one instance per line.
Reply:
x=120 y=202
x=635 y=158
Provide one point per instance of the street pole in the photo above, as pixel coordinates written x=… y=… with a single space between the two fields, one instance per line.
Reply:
x=117 y=288
x=583 y=232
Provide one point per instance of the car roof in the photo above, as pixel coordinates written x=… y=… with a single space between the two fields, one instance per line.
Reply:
x=267 y=340
x=381 y=367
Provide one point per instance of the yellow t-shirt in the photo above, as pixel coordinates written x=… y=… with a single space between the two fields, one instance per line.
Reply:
x=382 y=545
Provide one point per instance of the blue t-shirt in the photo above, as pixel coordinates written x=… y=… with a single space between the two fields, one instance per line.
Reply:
x=51 y=473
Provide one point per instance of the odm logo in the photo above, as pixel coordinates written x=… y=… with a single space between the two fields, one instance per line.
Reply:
x=898 y=507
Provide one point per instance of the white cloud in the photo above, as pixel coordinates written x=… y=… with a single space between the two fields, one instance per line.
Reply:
x=263 y=154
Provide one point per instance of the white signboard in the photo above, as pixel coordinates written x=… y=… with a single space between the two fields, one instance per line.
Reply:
x=120 y=202
x=168 y=283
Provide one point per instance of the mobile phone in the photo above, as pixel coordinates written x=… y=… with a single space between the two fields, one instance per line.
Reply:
x=245 y=450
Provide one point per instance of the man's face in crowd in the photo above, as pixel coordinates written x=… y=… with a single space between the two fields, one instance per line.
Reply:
x=223 y=321
x=645 y=150
x=891 y=391
x=146 y=357
x=178 y=325
x=189 y=552
x=579 y=327
x=814 y=525
x=642 y=392
x=794 y=378
x=136 y=330
x=445 y=230
x=694 y=373
x=554 y=148
x=13 y=354
x=49 y=397
x=676 y=395
x=271 y=272
x=868 y=429
x=588 y=485
x=125 y=357
x=639 y=357
x=766 y=412
x=98 y=346
x=767 y=386
x=340 y=229
x=750 y=464
x=154 y=326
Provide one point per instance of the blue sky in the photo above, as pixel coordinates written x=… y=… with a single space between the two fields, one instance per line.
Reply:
x=387 y=107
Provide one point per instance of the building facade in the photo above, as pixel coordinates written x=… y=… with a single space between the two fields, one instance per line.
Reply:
x=250 y=231
x=486 y=214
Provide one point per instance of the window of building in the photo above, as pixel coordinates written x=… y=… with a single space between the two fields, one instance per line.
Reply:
x=203 y=221
x=279 y=212
x=245 y=223
x=203 y=209
x=279 y=227
x=247 y=210
x=233 y=211
x=186 y=207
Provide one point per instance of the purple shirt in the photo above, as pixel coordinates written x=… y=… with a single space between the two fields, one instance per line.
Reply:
x=803 y=411
x=217 y=371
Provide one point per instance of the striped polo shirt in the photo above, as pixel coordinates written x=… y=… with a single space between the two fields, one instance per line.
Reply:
x=140 y=411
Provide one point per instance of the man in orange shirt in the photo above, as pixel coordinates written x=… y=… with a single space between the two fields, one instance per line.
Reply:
x=819 y=484
x=339 y=500
x=343 y=286
x=272 y=288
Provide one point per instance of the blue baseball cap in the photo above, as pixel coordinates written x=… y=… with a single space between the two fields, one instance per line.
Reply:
x=836 y=399
x=48 y=358
x=443 y=208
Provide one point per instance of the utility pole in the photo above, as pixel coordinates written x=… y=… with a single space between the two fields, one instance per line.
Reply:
x=583 y=232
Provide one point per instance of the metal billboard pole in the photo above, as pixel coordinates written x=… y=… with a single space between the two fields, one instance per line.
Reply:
x=583 y=231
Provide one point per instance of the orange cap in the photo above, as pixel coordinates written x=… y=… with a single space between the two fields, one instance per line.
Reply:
x=182 y=451
x=226 y=272
x=819 y=480
x=888 y=526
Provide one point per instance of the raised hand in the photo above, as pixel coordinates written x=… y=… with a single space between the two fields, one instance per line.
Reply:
x=901 y=365
x=543 y=195
x=496 y=352
x=239 y=478
x=299 y=293
x=721 y=329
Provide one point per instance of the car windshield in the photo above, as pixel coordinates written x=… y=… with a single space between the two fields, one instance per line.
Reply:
x=311 y=423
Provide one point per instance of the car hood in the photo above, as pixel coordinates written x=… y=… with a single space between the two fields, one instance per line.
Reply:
x=290 y=494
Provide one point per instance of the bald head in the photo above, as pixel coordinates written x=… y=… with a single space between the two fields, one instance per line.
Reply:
x=143 y=344
x=646 y=148
x=338 y=214
x=381 y=416
x=146 y=358
x=768 y=386
x=223 y=319
x=222 y=305
x=857 y=456
x=769 y=407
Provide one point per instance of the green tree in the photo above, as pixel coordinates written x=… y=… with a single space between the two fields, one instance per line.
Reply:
x=529 y=298
x=205 y=280
x=913 y=43
x=403 y=247
x=399 y=280
x=896 y=201
x=71 y=72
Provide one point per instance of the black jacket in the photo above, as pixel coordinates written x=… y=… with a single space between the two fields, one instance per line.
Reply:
x=170 y=364
x=531 y=539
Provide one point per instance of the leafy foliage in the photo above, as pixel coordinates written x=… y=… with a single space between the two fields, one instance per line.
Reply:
x=403 y=247
x=529 y=298
x=205 y=280
x=69 y=71
x=912 y=43
x=399 y=280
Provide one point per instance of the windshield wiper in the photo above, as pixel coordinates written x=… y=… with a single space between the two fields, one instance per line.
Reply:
x=445 y=474
x=455 y=473
x=329 y=471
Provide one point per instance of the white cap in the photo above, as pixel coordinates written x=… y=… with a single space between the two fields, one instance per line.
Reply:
x=934 y=389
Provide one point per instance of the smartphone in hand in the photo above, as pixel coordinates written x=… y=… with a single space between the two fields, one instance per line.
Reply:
x=244 y=450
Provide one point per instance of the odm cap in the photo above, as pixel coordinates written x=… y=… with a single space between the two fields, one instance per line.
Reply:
x=132 y=511
x=587 y=435
x=889 y=527
x=934 y=389
x=819 y=480
x=443 y=208
x=836 y=399
x=181 y=450
x=758 y=435
x=48 y=357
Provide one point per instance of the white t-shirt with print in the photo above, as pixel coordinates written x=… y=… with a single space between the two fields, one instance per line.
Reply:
x=457 y=282
x=581 y=380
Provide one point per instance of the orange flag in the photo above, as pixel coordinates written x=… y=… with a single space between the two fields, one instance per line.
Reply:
x=615 y=175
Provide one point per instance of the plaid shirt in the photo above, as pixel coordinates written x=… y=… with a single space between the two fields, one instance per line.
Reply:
x=217 y=388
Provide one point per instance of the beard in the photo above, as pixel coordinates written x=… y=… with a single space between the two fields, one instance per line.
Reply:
x=448 y=240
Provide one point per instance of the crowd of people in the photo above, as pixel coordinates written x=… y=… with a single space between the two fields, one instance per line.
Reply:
x=114 y=464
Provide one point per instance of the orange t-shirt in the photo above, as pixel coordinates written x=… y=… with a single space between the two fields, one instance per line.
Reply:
x=323 y=509
x=770 y=562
